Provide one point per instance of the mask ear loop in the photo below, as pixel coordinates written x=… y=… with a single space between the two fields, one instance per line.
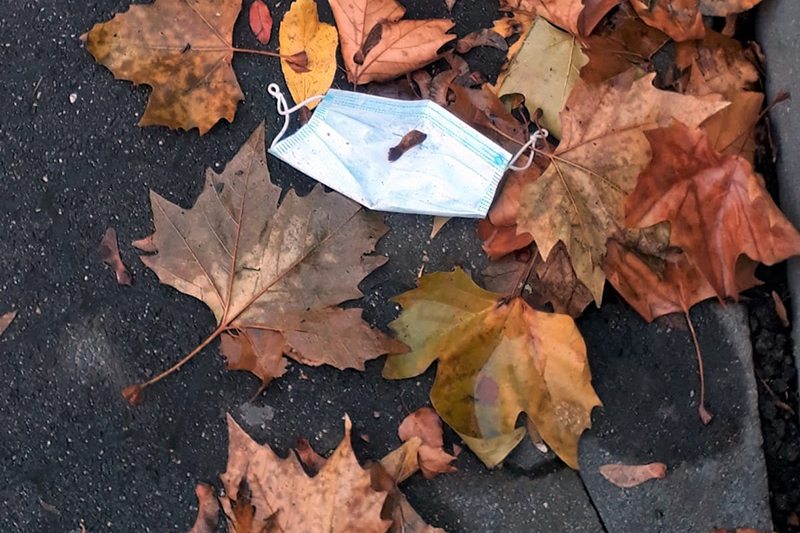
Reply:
x=284 y=110
x=538 y=134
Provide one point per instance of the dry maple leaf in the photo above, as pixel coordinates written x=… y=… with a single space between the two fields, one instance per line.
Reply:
x=579 y=17
x=397 y=46
x=656 y=287
x=579 y=200
x=183 y=50
x=497 y=358
x=545 y=71
x=483 y=110
x=207 y=509
x=680 y=19
x=627 y=476
x=270 y=273
x=109 y=253
x=550 y=282
x=339 y=499
x=6 y=320
x=717 y=206
x=426 y=424
x=720 y=64
x=301 y=30
x=624 y=42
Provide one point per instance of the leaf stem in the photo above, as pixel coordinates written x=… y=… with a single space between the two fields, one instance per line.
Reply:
x=705 y=416
x=133 y=393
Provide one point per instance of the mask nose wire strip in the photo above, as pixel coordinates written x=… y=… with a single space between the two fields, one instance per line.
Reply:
x=539 y=134
x=284 y=110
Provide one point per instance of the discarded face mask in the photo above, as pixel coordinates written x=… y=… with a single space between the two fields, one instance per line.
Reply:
x=454 y=172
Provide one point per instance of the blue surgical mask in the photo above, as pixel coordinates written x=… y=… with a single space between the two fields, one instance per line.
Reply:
x=454 y=172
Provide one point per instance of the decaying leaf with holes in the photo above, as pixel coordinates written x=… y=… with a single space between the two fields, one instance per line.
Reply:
x=378 y=46
x=545 y=71
x=302 y=31
x=183 y=50
x=273 y=275
x=497 y=358
x=718 y=208
x=579 y=200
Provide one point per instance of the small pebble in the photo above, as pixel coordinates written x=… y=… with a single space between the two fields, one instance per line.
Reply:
x=73 y=98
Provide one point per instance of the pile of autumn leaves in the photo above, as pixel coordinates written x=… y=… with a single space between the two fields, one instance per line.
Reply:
x=650 y=185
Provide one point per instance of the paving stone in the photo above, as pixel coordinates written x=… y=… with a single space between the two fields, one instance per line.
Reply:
x=647 y=378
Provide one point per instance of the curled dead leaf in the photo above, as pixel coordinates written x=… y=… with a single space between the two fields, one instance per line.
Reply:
x=485 y=37
x=109 y=253
x=410 y=140
x=207 y=511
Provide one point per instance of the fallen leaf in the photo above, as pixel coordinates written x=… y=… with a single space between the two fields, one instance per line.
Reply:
x=183 y=50
x=386 y=475
x=426 y=424
x=626 y=42
x=552 y=282
x=302 y=31
x=721 y=65
x=483 y=110
x=723 y=8
x=207 y=510
x=680 y=19
x=780 y=309
x=655 y=287
x=732 y=130
x=261 y=267
x=261 y=22
x=627 y=476
x=499 y=230
x=516 y=24
x=410 y=140
x=485 y=37
x=545 y=71
x=579 y=199
x=6 y=320
x=109 y=253
x=494 y=450
x=497 y=359
x=575 y=16
x=438 y=224
x=404 y=45
x=339 y=499
x=313 y=461
x=717 y=206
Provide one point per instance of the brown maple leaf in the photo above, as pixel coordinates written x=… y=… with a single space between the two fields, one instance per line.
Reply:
x=497 y=357
x=717 y=206
x=550 y=282
x=655 y=287
x=623 y=42
x=183 y=50
x=339 y=499
x=378 y=46
x=720 y=64
x=579 y=199
x=680 y=19
x=273 y=275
